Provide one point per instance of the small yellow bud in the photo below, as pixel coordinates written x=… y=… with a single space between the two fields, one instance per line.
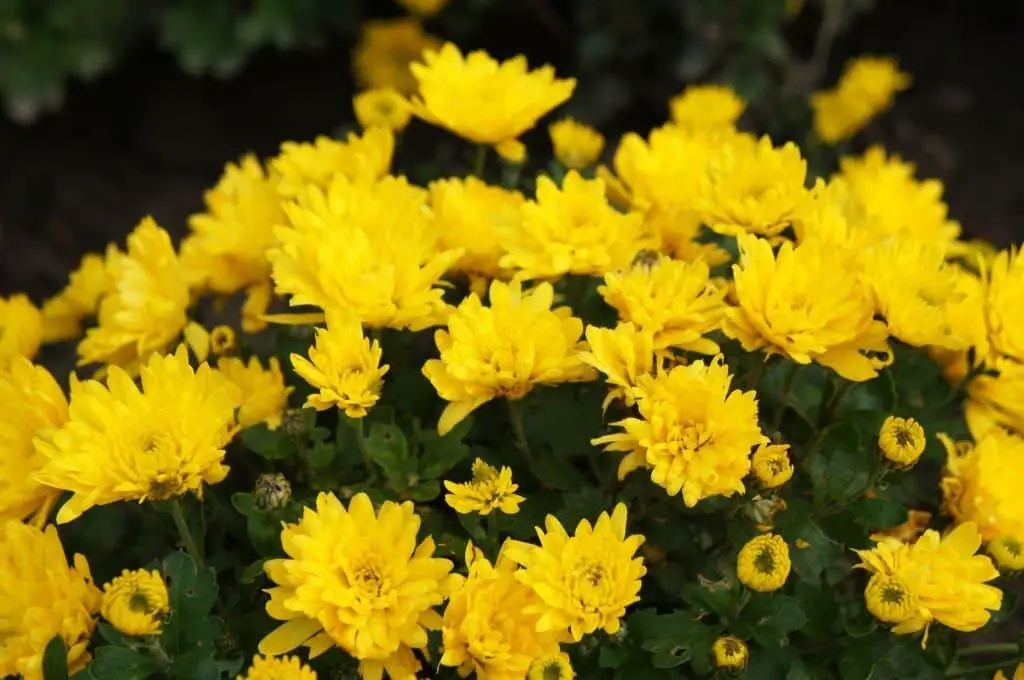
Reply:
x=383 y=107
x=1007 y=552
x=222 y=340
x=901 y=440
x=512 y=151
x=730 y=653
x=771 y=465
x=577 y=146
x=136 y=602
x=763 y=563
x=551 y=667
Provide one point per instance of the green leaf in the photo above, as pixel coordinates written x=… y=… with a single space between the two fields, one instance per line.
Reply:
x=611 y=656
x=245 y=504
x=270 y=444
x=321 y=455
x=55 y=659
x=195 y=665
x=820 y=551
x=252 y=572
x=193 y=593
x=879 y=513
x=558 y=473
x=426 y=491
x=109 y=633
x=389 y=448
x=841 y=466
x=123 y=663
x=441 y=454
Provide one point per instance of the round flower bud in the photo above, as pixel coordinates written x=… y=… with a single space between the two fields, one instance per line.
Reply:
x=222 y=340
x=272 y=491
x=763 y=563
x=551 y=667
x=901 y=440
x=771 y=465
x=1007 y=552
x=294 y=423
x=889 y=599
x=136 y=602
x=730 y=653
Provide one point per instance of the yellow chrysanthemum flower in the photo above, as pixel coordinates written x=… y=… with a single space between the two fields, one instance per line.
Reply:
x=490 y=623
x=319 y=163
x=366 y=247
x=504 y=350
x=707 y=108
x=577 y=146
x=490 y=489
x=471 y=215
x=423 y=8
x=806 y=304
x=222 y=340
x=622 y=354
x=981 y=483
x=382 y=107
x=136 y=602
x=21 y=329
x=1007 y=552
x=42 y=597
x=585 y=581
x=693 y=432
x=908 y=532
x=64 y=313
x=763 y=563
x=1017 y=674
x=262 y=395
x=145 y=311
x=901 y=440
x=34 y=406
x=552 y=667
x=278 y=668
x=385 y=51
x=730 y=653
x=676 y=301
x=482 y=100
x=357 y=579
x=344 y=365
x=934 y=579
x=865 y=89
x=571 y=230
x=752 y=187
x=771 y=465
x=123 y=443
x=1004 y=304
x=996 y=400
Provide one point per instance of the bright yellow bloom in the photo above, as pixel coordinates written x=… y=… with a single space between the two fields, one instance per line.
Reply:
x=490 y=489
x=383 y=107
x=504 y=350
x=482 y=100
x=865 y=89
x=707 y=108
x=262 y=395
x=321 y=162
x=901 y=440
x=423 y=8
x=222 y=340
x=552 y=667
x=934 y=579
x=123 y=443
x=806 y=304
x=385 y=51
x=471 y=215
x=357 y=579
x=1008 y=552
x=64 y=313
x=753 y=187
x=490 y=624
x=586 y=580
x=136 y=602
x=981 y=483
x=42 y=597
x=344 y=366
x=693 y=432
x=278 y=668
x=763 y=563
x=771 y=465
x=730 y=653
x=21 y=329
x=1017 y=674
x=996 y=400
x=622 y=354
x=367 y=247
x=34 y=406
x=145 y=311
x=577 y=146
x=571 y=230
x=676 y=301
x=1004 y=304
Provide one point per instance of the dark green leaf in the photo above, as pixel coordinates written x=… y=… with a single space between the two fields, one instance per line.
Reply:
x=441 y=454
x=109 y=633
x=193 y=593
x=252 y=572
x=244 y=503
x=388 y=447
x=321 y=455
x=426 y=491
x=122 y=663
x=270 y=444
x=195 y=665
x=55 y=660
x=841 y=466
x=558 y=473
x=879 y=513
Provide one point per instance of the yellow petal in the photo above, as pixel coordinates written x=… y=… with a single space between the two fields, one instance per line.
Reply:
x=288 y=636
x=198 y=339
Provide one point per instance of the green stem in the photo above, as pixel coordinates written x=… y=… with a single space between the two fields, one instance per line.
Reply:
x=480 y=162
x=787 y=386
x=998 y=648
x=984 y=668
x=515 y=417
x=371 y=469
x=833 y=404
x=191 y=547
x=755 y=374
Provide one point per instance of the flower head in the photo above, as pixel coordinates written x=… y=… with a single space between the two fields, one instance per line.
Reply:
x=901 y=440
x=21 y=329
x=577 y=146
x=271 y=491
x=996 y=397
x=382 y=107
x=981 y=483
x=136 y=602
x=1018 y=674
x=356 y=578
x=585 y=581
x=482 y=100
x=865 y=89
x=262 y=394
x=278 y=668
x=1004 y=304
x=64 y=313
x=771 y=465
x=730 y=653
x=707 y=108
x=41 y=596
x=1007 y=552
x=763 y=563
x=123 y=443
x=806 y=304
x=504 y=350
x=385 y=51
x=222 y=340
x=301 y=165
x=551 y=667
x=490 y=489
x=344 y=366
x=622 y=354
x=571 y=230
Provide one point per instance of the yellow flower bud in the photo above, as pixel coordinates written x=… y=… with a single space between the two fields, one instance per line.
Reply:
x=771 y=465
x=136 y=602
x=577 y=146
x=1007 y=552
x=763 y=563
x=901 y=440
x=730 y=653
x=383 y=107
x=222 y=340
x=551 y=667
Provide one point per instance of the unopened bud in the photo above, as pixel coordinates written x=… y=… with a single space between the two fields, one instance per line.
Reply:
x=272 y=491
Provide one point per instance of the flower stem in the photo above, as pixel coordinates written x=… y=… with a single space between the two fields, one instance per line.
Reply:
x=191 y=547
x=998 y=648
x=832 y=406
x=787 y=386
x=480 y=162
x=371 y=470
x=515 y=417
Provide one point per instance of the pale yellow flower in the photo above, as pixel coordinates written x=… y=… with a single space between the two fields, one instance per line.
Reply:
x=576 y=145
x=382 y=107
x=490 y=489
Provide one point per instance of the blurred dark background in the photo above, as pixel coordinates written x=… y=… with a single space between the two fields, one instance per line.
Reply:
x=147 y=138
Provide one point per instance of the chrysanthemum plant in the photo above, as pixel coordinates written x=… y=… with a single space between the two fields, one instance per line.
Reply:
x=686 y=415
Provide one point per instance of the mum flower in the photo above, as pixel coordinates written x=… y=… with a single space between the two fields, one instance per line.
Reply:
x=1007 y=552
x=806 y=304
x=771 y=465
x=262 y=395
x=577 y=146
x=901 y=440
x=21 y=329
x=278 y=668
x=34 y=406
x=730 y=653
x=865 y=89
x=1018 y=674
x=64 y=313
x=222 y=340
x=504 y=350
x=382 y=107
x=552 y=667
x=623 y=355
x=996 y=397
x=1004 y=304
x=934 y=579
x=676 y=301
x=490 y=489
x=123 y=443
x=136 y=602
x=357 y=579
x=707 y=108
x=370 y=247
x=482 y=100
x=42 y=597
x=345 y=367
x=318 y=163
x=146 y=309
x=571 y=230
x=385 y=51
x=585 y=581
x=693 y=432
x=763 y=563
x=490 y=623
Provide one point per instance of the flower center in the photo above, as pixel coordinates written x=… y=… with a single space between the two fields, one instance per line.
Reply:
x=138 y=602
x=1012 y=546
x=690 y=437
x=591 y=582
x=369 y=580
x=765 y=561
x=904 y=437
x=733 y=648
x=552 y=671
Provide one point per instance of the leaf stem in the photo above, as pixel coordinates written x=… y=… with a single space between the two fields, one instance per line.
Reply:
x=480 y=161
x=833 y=404
x=997 y=648
x=515 y=418
x=371 y=470
x=787 y=386
x=191 y=547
